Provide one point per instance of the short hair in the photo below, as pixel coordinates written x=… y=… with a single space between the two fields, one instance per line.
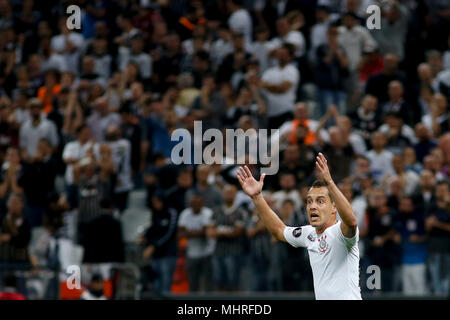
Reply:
x=288 y=200
x=202 y=55
x=261 y=29
x=35 y=103
x=81 y=128
x=320 y=184
x=289 y=47
x=443 y=182
x=10 y=280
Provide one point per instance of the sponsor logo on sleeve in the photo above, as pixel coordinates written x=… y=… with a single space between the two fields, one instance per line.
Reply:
x=297 y=232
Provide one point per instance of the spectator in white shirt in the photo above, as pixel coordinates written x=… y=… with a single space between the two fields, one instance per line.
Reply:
x=286 y=34
x=69 y=45
x=192 y=225
x=380 y=159
x=221 y=47
x=73 y=152
x=399 y=134
x=240 y=20
x=261 y=47
x=280 y=85
x=319 y=30
x=35 y=129
x=128 y=31
x=288 y=191
x=102 y=59
x=102 y=119
x=136 y=54
x=410 y=179
x=354 y=38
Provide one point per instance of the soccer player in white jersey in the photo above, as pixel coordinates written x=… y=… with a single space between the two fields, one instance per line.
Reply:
x=332 y=246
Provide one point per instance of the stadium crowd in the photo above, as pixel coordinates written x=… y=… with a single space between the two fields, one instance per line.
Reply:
x=86 y=118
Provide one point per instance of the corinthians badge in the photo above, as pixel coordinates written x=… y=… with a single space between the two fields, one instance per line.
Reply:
x=323 y=245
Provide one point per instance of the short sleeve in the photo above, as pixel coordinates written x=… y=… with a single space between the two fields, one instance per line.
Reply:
x=292 y=76
x=295 y=236
x=68 y=151
x=349 y=242
x=182 y=220
x=208 y=217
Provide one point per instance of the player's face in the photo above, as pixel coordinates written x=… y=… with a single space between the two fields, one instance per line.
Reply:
x=319 y=206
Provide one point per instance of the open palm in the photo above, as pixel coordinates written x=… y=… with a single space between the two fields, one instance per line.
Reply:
x=250 y=186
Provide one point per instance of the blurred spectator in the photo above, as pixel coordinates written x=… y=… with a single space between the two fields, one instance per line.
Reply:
x=212 y=195
x=424 y=197
x=394 y=26
x=73 y=152
x=260 y=47
x=94 y=183
x=133 y=132
x=437 y=225
x=399 y=135
x=259 y=251
x=240 y=20
x=289 y=129
x=35 y=129
x=425 y=143
x=177 y=195
x=102 y=240
x=121 y=159
x=288 y=186
x=101 y=119
x=233 y=66
x=377 y=84
x=409 y=178
x=15 y=235
x=397 y=104
x=357 y=142
x=9 y=287
x=272 y=10
x=95 y=290
x=11 y=173
x=193 y=223
x=68 y=44
x=332 y=68
x=410 y=225
x=438 y=115
x=160 y=242
x=50 y=89
x=340 y=153
x=280 y=86
x=349 y=32
x=286 y=34
x=320 y=29
x=383 y=249
x=411 y=160
x=227 y=228
x=42 y=167
x=136 y=54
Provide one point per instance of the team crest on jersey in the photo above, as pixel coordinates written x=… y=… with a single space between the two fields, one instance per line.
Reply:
x=297 y=232
x=323 y=245
x=311 y=237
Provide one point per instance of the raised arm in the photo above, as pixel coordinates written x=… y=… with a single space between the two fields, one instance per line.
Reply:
x=253 y=189
x=345 y=210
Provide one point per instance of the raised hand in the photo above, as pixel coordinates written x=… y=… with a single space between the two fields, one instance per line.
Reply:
x=323 y=172
x=250 y=186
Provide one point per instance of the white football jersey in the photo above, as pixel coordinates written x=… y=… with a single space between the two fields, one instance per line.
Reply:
x=334 y=260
